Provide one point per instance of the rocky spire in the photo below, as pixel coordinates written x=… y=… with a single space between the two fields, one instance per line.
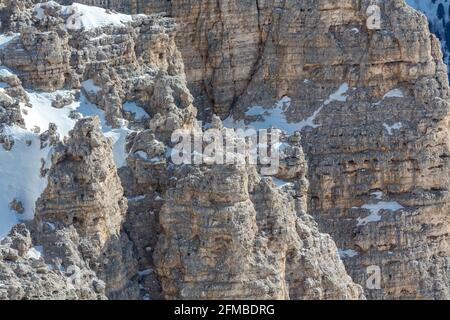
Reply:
x=80 y=214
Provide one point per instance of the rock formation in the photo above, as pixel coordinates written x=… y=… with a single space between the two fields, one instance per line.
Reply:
x=25 y=275
x=375 y=144
x=227 y=234
x=84 y=204
x=437 y=13
x=364 y=101
x=72 y=47
x=80 y=217
x=387 y=137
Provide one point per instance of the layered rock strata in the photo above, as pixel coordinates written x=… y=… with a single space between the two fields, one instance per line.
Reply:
x=378 y=146
x=25 y=275
x=227 y=234
x=371 y=101
x=80 y=214
x=378 y=157
x=112 y=62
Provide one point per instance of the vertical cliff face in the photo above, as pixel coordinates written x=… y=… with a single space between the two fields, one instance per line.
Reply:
x=222 y=43
x=121 y=71
x=83 y=225
x=438 y=14
x=372 y=103
x=85 y=170
x=80 y=214
x=206 y=232
x=229 y=234
x=369 y=98
x=378 y=155
x=25 y=275
x=113 y=57
x=230 y=45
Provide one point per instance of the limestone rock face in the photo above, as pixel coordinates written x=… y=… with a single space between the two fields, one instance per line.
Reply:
x=77 y=169
x=11 y=95
x=129 y=60
x=229 y=45
x=41 y=57
x=436 y=10
x=386 y=135
x=84 y=203
x=147 y=176
x=377 y=158
x=228 y=234
x=25 y=275
x=365 y=103
x=221 y=43
x=172 y=209
x=86 y=226
x=11 y=14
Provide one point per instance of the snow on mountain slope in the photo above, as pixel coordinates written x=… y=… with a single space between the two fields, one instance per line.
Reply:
x=85 y=17
x=20 y=176
x=21 y=180
x=438 y=14
x=275 y=117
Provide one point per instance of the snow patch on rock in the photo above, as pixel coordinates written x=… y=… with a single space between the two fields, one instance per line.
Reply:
x=139 y=112
x=21 y=177
x=275 y=117
x=375 y=210
x=391 y=128
x=35 y=253
x=6 y=39
x=20 y=172
x=349 y=253
x=90 y=87
x=395 y=93
x=83 y=17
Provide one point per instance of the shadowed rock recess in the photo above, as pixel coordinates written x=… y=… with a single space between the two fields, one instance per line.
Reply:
x=93 y=207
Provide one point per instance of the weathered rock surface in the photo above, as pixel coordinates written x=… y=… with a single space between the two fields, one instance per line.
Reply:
x=25 y=275
x=371 y=103
x=42 y=58
x=83 y=204
x=242 y=53
x=178 y=204
x=128 y=60
x=389 y=135
x=85 y=226
x=228 y=234
x=12 y=14
x=437 y=12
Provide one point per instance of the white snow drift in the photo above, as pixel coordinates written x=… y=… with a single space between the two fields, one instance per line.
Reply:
x=83 y=17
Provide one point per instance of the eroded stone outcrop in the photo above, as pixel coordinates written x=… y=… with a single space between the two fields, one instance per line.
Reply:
x=179 y=204
x=378 y=160
x=42 y=58
x=228 y=234
x=388 y=135
x=372 y=106
x=125 y=61
x=11 y=14
x=25 y=275
x=80 y=214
